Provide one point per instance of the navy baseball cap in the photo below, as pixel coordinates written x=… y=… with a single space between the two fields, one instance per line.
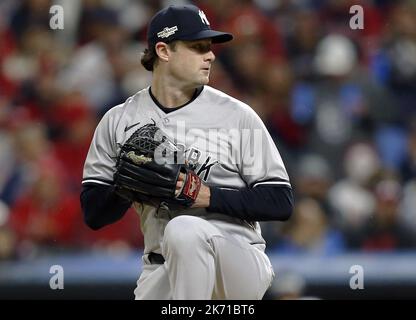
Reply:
x=182 y=22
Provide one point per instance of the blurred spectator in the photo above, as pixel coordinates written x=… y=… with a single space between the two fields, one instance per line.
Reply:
x=343 y=105
x=6 y=161
x=391 y=142
x=351 y=197
x=249 y=25
x=395 y=63
x=336 y=56
x=23 y=63
x=384 y=231
x=31 y=69
x=91 y=71
x=408 y=165
x=302 y=42
x=7 y=237
x=31 y=151
x=254 y=35
x=46 y=215
x=313 y=178
x=407 y=214
x=30 y=13
x=74 y=125
x=309 y=232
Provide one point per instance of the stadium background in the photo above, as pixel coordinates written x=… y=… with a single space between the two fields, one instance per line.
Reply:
x=340 y=104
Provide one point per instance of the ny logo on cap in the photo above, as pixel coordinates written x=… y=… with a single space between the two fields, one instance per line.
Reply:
x=203 y=17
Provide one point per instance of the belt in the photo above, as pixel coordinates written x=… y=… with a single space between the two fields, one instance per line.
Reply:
x=156 y=258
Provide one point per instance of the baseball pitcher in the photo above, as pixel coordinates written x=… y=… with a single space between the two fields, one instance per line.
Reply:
x=199 y=167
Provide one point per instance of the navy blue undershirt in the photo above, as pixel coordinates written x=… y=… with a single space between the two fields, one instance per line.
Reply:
x=263 y=203
x=102 y=206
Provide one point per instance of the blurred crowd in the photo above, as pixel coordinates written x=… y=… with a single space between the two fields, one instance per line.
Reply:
x=339 y=103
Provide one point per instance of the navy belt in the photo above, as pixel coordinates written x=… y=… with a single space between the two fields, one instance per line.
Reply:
x=156 y=258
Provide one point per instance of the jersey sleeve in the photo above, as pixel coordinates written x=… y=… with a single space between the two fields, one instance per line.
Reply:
x=100 y=163
x=261 y=162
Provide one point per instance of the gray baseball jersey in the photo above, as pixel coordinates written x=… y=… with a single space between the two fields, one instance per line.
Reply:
x=225 y=141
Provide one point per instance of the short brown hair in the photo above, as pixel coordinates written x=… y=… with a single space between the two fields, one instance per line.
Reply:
x=150 y=58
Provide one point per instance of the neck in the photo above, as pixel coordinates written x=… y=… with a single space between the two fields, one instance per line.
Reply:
x=169 y=94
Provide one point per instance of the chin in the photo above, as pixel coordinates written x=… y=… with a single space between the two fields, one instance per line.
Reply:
x=204 y=80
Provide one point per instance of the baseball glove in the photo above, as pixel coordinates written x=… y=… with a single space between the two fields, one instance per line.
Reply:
x=147 y=170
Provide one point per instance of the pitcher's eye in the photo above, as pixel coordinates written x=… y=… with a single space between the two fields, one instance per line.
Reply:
x=201 y=48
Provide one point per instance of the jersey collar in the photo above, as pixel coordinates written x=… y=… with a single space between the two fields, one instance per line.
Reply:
x=168 y=110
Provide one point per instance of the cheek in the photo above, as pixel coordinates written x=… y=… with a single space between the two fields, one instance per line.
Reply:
x=186 y=66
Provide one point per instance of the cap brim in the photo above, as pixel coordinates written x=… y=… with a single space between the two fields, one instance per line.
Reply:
x=216 y=36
